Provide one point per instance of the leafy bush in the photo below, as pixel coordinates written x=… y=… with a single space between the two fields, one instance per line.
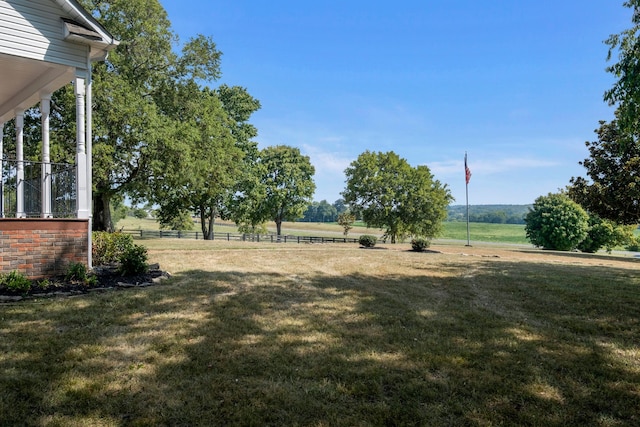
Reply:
x=181 y=221
x=605 y=234
x=246 y=228
x=109 y=247
x=15 y=281
x=119 y=248
x=556 y=222
x=78 y=272
x=140 y=213
x=634 y=245
x=367 y=240
x=134 y=261
x=420 y=244
x=44 y=283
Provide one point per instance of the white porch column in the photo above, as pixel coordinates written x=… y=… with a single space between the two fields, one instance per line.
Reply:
x=89 y=134
x=1 y=170
x=20 y=164
x=45 y=110
x=82 y=208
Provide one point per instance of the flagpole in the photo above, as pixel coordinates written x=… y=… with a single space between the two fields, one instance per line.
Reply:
x=467 y=175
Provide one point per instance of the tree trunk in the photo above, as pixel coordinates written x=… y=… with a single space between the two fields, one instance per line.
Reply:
x=203 y=225
x=207 y=222
x=278 y=227
x=211 y=222
x=102 y=212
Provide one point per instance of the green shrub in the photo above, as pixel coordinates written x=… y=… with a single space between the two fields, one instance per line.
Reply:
x=246 y=228
x=44 y=284
x=15 y=281
x=556 y=222
x=634 y=245
x=76 y=271
x=367 y=240
x=109 y=247
x=420 y=244
x=182 y=221
x=134 y=261
x=140 y=213
x=606 y=234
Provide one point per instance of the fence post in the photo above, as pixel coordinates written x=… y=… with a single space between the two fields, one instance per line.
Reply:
x=228 y=237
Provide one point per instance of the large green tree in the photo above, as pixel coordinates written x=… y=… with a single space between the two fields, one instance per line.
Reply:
x=281 y=189
x=211 y=155
x=135 y=96
x=625 y=93
x=391 y=194
x=201 y=164
x=612 y=189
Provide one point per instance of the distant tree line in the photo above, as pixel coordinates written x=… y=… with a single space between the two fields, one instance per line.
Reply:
x=322 y=211
x=493 y=214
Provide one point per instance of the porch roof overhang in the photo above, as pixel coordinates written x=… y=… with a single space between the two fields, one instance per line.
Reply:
x=23 y=81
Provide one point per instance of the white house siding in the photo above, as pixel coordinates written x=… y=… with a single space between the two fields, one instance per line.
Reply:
x=33 y=29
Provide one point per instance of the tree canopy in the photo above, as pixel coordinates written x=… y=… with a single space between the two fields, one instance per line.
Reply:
x=280 y=189
x=612 y=189
x=390 y=194
x=143 y=95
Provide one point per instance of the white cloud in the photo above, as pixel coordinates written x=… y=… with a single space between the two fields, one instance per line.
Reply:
x=490 y=167
x=326 y=162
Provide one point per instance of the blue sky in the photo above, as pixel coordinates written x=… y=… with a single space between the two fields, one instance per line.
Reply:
x=517 y=84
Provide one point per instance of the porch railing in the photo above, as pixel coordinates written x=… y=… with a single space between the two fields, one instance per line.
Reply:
x=36 y=176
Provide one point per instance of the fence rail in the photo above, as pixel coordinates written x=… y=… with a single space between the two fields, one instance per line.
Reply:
x=270 y=238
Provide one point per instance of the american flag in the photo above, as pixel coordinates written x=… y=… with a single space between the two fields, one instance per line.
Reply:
x=467 y=171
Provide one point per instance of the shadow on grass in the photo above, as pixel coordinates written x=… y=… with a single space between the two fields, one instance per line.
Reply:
x=496 y=343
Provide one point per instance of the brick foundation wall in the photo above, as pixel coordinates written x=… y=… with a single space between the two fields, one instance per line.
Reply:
x=42 y=247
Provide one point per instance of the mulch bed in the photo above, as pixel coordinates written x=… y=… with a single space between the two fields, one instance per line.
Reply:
x=108 y=278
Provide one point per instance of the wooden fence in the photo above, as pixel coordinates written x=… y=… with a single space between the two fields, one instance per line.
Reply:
x=272 y=238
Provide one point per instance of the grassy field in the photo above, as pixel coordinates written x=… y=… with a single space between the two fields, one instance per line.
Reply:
x=332 y=335
x=479 y=232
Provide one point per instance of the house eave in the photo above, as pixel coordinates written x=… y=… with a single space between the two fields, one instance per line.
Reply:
x=83 y=28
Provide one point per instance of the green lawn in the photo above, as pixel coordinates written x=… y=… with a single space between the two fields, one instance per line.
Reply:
x=333 y=335
x=485 y=232
x=479 y=232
